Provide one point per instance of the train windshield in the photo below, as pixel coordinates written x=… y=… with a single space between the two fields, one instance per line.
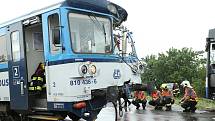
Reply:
x=90 y=34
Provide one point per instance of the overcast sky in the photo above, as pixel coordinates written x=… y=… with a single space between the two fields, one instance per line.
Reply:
x=157 y=24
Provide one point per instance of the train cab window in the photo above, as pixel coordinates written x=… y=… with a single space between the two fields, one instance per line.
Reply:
x=54 y=33
x=90 y=34
x=213 y=46
x=3 y=49
x=15 y=45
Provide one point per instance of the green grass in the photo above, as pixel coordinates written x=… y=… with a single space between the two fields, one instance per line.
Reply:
x=203 y=104
x=206 y=104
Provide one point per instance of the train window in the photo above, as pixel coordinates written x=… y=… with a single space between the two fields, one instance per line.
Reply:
x=90 y=34
x=38 y=41
x=15 y=45
x=212 y=66
x=213 y=46
x=3 y=49
x=54 y=33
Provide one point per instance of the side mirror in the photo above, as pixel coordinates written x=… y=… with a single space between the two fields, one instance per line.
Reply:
x=124 y=43
x=141 y=68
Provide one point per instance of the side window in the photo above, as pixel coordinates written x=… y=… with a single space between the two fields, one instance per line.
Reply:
x=3 y=49
x=213 y=47
x=15 y=45
x=54 y=33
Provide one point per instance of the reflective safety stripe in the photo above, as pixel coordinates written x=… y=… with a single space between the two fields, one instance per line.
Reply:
x=44 y=86
x=168 y=104
x=39 y=88
x=31 y=84
x=40 y=79
x=31 y=88
x=37 y=78
x=191 y=99
x=34 y=78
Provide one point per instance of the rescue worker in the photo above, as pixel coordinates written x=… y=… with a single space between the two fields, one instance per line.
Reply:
x=156 y=99
x=167 y=97
x=189 y=100
x=38 y=82
x=139 y=97
x=126 y=94
x=175 y=90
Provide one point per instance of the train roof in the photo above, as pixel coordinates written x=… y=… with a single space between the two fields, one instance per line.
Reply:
x=91 y=5
x=31 y=14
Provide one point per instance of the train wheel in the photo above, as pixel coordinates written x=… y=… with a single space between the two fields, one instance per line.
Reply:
x=14 y=117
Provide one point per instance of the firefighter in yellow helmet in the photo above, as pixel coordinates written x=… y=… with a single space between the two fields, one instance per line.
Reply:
x=189 y=100
x=167 y=97
x=38 y=79
x=175 y=90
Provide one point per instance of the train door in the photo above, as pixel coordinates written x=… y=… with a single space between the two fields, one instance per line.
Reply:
x=53 y=46
x=17 y=67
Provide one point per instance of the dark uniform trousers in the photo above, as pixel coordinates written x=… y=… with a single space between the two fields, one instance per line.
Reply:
x=155 y=102
x=189 y=105
x=137 y=103
x=167 y=100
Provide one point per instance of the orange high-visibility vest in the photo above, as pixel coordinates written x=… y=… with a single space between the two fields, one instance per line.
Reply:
x=166 y=93
x=139 y=95
x=155 y=95
x=190 y=94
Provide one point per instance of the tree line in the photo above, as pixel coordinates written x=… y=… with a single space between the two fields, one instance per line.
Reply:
x=176 y=65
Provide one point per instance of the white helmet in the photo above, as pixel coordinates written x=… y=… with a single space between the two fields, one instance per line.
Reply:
x=186 y=84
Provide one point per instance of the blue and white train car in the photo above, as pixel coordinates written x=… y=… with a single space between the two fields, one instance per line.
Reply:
x=74 y=40
x=210 y=77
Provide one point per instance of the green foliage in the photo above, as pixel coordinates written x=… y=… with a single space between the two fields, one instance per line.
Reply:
x=199 y=87
x=175 y=66
x=203 y=104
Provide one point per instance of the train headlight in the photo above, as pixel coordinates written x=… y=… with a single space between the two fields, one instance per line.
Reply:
x=92 y=69
x=83 y=70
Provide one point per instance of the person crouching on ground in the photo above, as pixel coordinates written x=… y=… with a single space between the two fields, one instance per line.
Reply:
x=167 y=97
x=126 y=94
x=189 y=100
x=156 y=99
x=139 y=97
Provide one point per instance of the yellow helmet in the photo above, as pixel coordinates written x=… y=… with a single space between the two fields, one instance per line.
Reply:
x=164 y=86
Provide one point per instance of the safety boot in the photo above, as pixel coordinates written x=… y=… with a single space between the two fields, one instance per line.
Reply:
x=144 y=107
x=193 y=110
x=168 y=108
